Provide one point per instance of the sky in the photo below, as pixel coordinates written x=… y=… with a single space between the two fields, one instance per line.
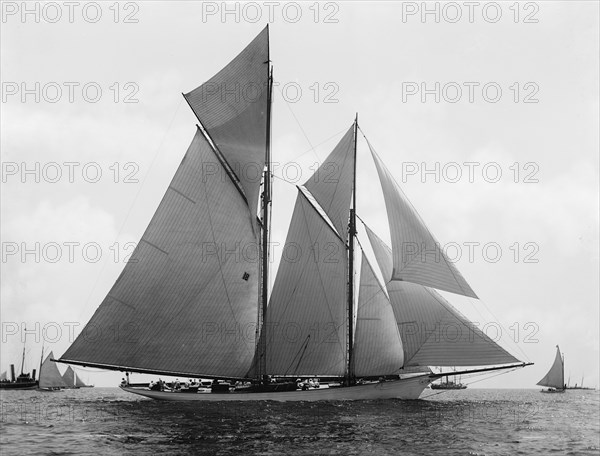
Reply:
x=487 y=117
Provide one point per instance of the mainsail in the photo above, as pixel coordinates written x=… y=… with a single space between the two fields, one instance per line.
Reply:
x=186 y=302
x=555 y=378
x=418 y=257
x=232 y=106
x=305 y=329
x=433 y=332
x=49 y=374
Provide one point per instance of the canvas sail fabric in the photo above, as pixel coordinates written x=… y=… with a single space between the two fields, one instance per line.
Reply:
x=377 y=344
x=433 y=332
x=71 y=379
x=232 y=106
x=555 y=378
x=50 y=375
x=186 y=302
x=418 y=257
x=306 y=317
x=331 y=184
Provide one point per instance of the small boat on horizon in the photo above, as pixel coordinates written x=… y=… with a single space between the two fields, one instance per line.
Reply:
x=555 y=378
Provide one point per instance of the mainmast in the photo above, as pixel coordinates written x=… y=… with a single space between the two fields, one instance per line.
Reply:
x=266 y=201
x=351 y=234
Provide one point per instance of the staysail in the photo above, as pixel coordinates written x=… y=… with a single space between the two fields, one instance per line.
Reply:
x=186 y=302
x=377 y=342
x=433 y=332
x=306 y=320
x=331 y=184
x=417 y=256
x=232 y=106
x=555 y=378
x=50 y=375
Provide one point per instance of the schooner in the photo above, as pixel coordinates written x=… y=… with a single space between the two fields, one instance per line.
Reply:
x=194 y=302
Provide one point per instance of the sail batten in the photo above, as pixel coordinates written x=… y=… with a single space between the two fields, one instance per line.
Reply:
x=187 y=299
x=417 y=256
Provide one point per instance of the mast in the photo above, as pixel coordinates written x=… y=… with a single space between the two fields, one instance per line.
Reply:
x=351 y=235
x=265 y=224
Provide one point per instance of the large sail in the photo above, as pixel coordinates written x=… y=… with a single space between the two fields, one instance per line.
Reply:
x=377 y=343
x=306 y=317
x=433 y=332
x=232 y=106
x=186 y=302
x=418 y=257
x=50 y=375
x=331 y=184
x=555 y=378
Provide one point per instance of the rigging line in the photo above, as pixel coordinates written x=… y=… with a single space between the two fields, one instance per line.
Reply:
x=133 y=203
x=296 y=119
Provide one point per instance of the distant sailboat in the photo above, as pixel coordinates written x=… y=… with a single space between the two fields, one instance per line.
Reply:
x=50 y=378
x=72 y=380
x=194 y=301
x=555 y=378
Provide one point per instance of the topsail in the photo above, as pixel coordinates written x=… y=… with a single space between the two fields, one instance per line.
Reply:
x=232 y=106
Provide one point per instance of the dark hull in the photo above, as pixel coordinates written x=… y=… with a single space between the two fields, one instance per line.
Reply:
x=18 y=385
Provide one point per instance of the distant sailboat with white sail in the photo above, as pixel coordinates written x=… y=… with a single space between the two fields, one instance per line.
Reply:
x=72 y=380
x=555 y=378
x=50 y=377
x=194 y=301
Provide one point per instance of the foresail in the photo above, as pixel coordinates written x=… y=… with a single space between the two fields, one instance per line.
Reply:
x=417 y=256
x=433 y=332
x=306 y=317
x=555 y=378
x=331 y=184
x=186 y=301
x=69 y=377
x=50 y=375
x=377 y=343
x=232 y=106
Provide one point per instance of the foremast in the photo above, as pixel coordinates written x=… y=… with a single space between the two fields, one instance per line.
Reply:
x=266 y=208
x=350 y=377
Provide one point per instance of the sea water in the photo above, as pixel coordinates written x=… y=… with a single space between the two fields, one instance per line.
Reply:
x=107 y=421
